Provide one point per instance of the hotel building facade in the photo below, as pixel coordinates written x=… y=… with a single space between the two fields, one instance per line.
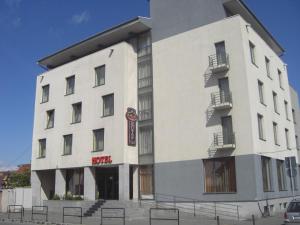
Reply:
x=192 y=102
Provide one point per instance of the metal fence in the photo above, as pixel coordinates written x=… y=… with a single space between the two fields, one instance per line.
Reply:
x=36 y=211
x=221 y=97
x=15 y=209
x=115 y=211
x=218 y=60
x=163 y=218
x=220 y=139
x=73 y=215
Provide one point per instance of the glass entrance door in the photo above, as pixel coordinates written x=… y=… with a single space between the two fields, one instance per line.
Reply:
x=107 y=183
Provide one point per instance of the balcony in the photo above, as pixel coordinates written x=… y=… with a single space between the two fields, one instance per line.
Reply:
x=218 y=63
x=221 y=100
x=224 y=141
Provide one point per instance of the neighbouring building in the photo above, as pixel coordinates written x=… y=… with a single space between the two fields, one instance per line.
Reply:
x=192 y=102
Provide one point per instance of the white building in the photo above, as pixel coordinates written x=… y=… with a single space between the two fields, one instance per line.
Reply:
x=216 y=114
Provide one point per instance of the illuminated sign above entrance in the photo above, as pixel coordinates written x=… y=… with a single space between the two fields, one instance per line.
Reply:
x=101 y=160
x=131 y=117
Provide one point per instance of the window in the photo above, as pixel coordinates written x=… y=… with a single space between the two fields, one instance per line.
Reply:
x=146 y=180
x=275 y=101
x=144 y=74
x=266 y=174
x=280 y=78
x=76 y=116
x=220 y=175
x=75 y=181
x=287 y=138
x=68 y=144
x=261 y=133
x=297 y=142
x=281 y=175
x=145 y=107
x=70 y=85
x=98 y=142
x=275 y=131
x=50 y=119
x=100 y=75
x=286 y=108
x=42 y=148
x=45 y=94
x=108 y=105
x=252 y=52
x=268 y=67
x=145 y=140
x=294 y=116
x=261 y=92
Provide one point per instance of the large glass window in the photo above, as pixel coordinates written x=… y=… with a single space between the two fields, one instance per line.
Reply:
x=75 y=182
x=76 y=116
x=220 y=175
x=45 y=94
x=281 y=175
x=98 y=140
x=108 y=105
x=100 y=75
x=68 y=139
x=50 y=119
x=145 y=140
x=70 y=85
x=145 y=107
x=42 y=148
x=266 y=174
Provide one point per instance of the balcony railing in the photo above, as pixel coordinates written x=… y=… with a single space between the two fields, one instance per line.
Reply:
x=221 y=100
x=145 y=115
x=224 y=141
x=218 y=63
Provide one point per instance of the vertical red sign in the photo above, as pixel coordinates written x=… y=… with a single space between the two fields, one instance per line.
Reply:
x=131 y=117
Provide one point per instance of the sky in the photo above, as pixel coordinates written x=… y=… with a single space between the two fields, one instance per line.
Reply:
x=32 y=29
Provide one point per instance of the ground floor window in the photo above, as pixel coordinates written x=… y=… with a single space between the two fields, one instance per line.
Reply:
x=146 y=180
x=220 y=175
x=266 y=173
x=74 y=181
x=281 y=175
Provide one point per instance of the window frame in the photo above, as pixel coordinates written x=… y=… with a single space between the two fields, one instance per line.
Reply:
x=48 y=118
x=275 y=102
x=43 y=91
x=269 y=182
x=64 y=144
x=103 y=105
x=282 y=186
x=287 y=138
x=40 y=155
x=286 y=109
x=275 y=133
x=94 y=140
x=261 y=92
x=97 y=83
x=67 y=85
x=252 y=48
x=74 y=111
x=261 y=130
x=268 y=67
x=280 y=79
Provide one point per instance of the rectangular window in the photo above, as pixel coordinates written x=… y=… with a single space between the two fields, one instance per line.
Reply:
x=287 y=138
x=42 y=148
x=252 y=52
x=261 y=92
x=144 y=74
x=98 y=142
x=146 y=180
x=108 y=105
x=275 y=131
x=294 y=116
x=68 y=139
x=100 y=75
x=281 y=175
x=280 y=79
x=76 y=116
x=266 y=174
x=75 y=181
x=50 y=119
x=220 y=175
x=297 y=142
x=45 y=94
x=261 y=132
x=145 y=140
x=286 y=108
x=145 y=107
x=275 y=101
x=268 y=67
x=70 y=85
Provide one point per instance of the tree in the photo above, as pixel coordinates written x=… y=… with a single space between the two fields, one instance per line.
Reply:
x=20 y=179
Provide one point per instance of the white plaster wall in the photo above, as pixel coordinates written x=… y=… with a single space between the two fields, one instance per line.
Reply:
x=120 y=79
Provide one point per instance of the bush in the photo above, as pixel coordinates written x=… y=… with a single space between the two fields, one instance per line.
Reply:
x=56 y=197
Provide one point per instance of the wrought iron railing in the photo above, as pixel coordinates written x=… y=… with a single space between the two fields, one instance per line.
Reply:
x=218 y=60
x=221 y=97
x=221 y=139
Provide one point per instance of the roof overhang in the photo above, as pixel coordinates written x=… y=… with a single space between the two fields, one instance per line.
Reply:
x=97 y=42
x=239 y=7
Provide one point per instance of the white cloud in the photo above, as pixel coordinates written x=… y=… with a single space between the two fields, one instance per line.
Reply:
x=13 y=3
x=81 y=18
x=4 y=167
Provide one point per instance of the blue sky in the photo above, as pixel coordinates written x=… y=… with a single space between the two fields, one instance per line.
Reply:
x=32 y=29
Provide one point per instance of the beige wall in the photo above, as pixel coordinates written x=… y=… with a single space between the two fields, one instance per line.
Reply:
x=120 y=79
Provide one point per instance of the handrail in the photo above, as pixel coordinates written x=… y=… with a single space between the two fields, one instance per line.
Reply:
x=221 y=140
x=221 y=97
x=217 y=60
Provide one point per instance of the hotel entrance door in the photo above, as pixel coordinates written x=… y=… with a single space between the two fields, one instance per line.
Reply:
x=107 y=180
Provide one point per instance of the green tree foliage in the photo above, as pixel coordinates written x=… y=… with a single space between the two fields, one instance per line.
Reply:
x=20 y=179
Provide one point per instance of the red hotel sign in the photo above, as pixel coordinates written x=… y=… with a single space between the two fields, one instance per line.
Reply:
x=131 y=117
x=101 y=160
